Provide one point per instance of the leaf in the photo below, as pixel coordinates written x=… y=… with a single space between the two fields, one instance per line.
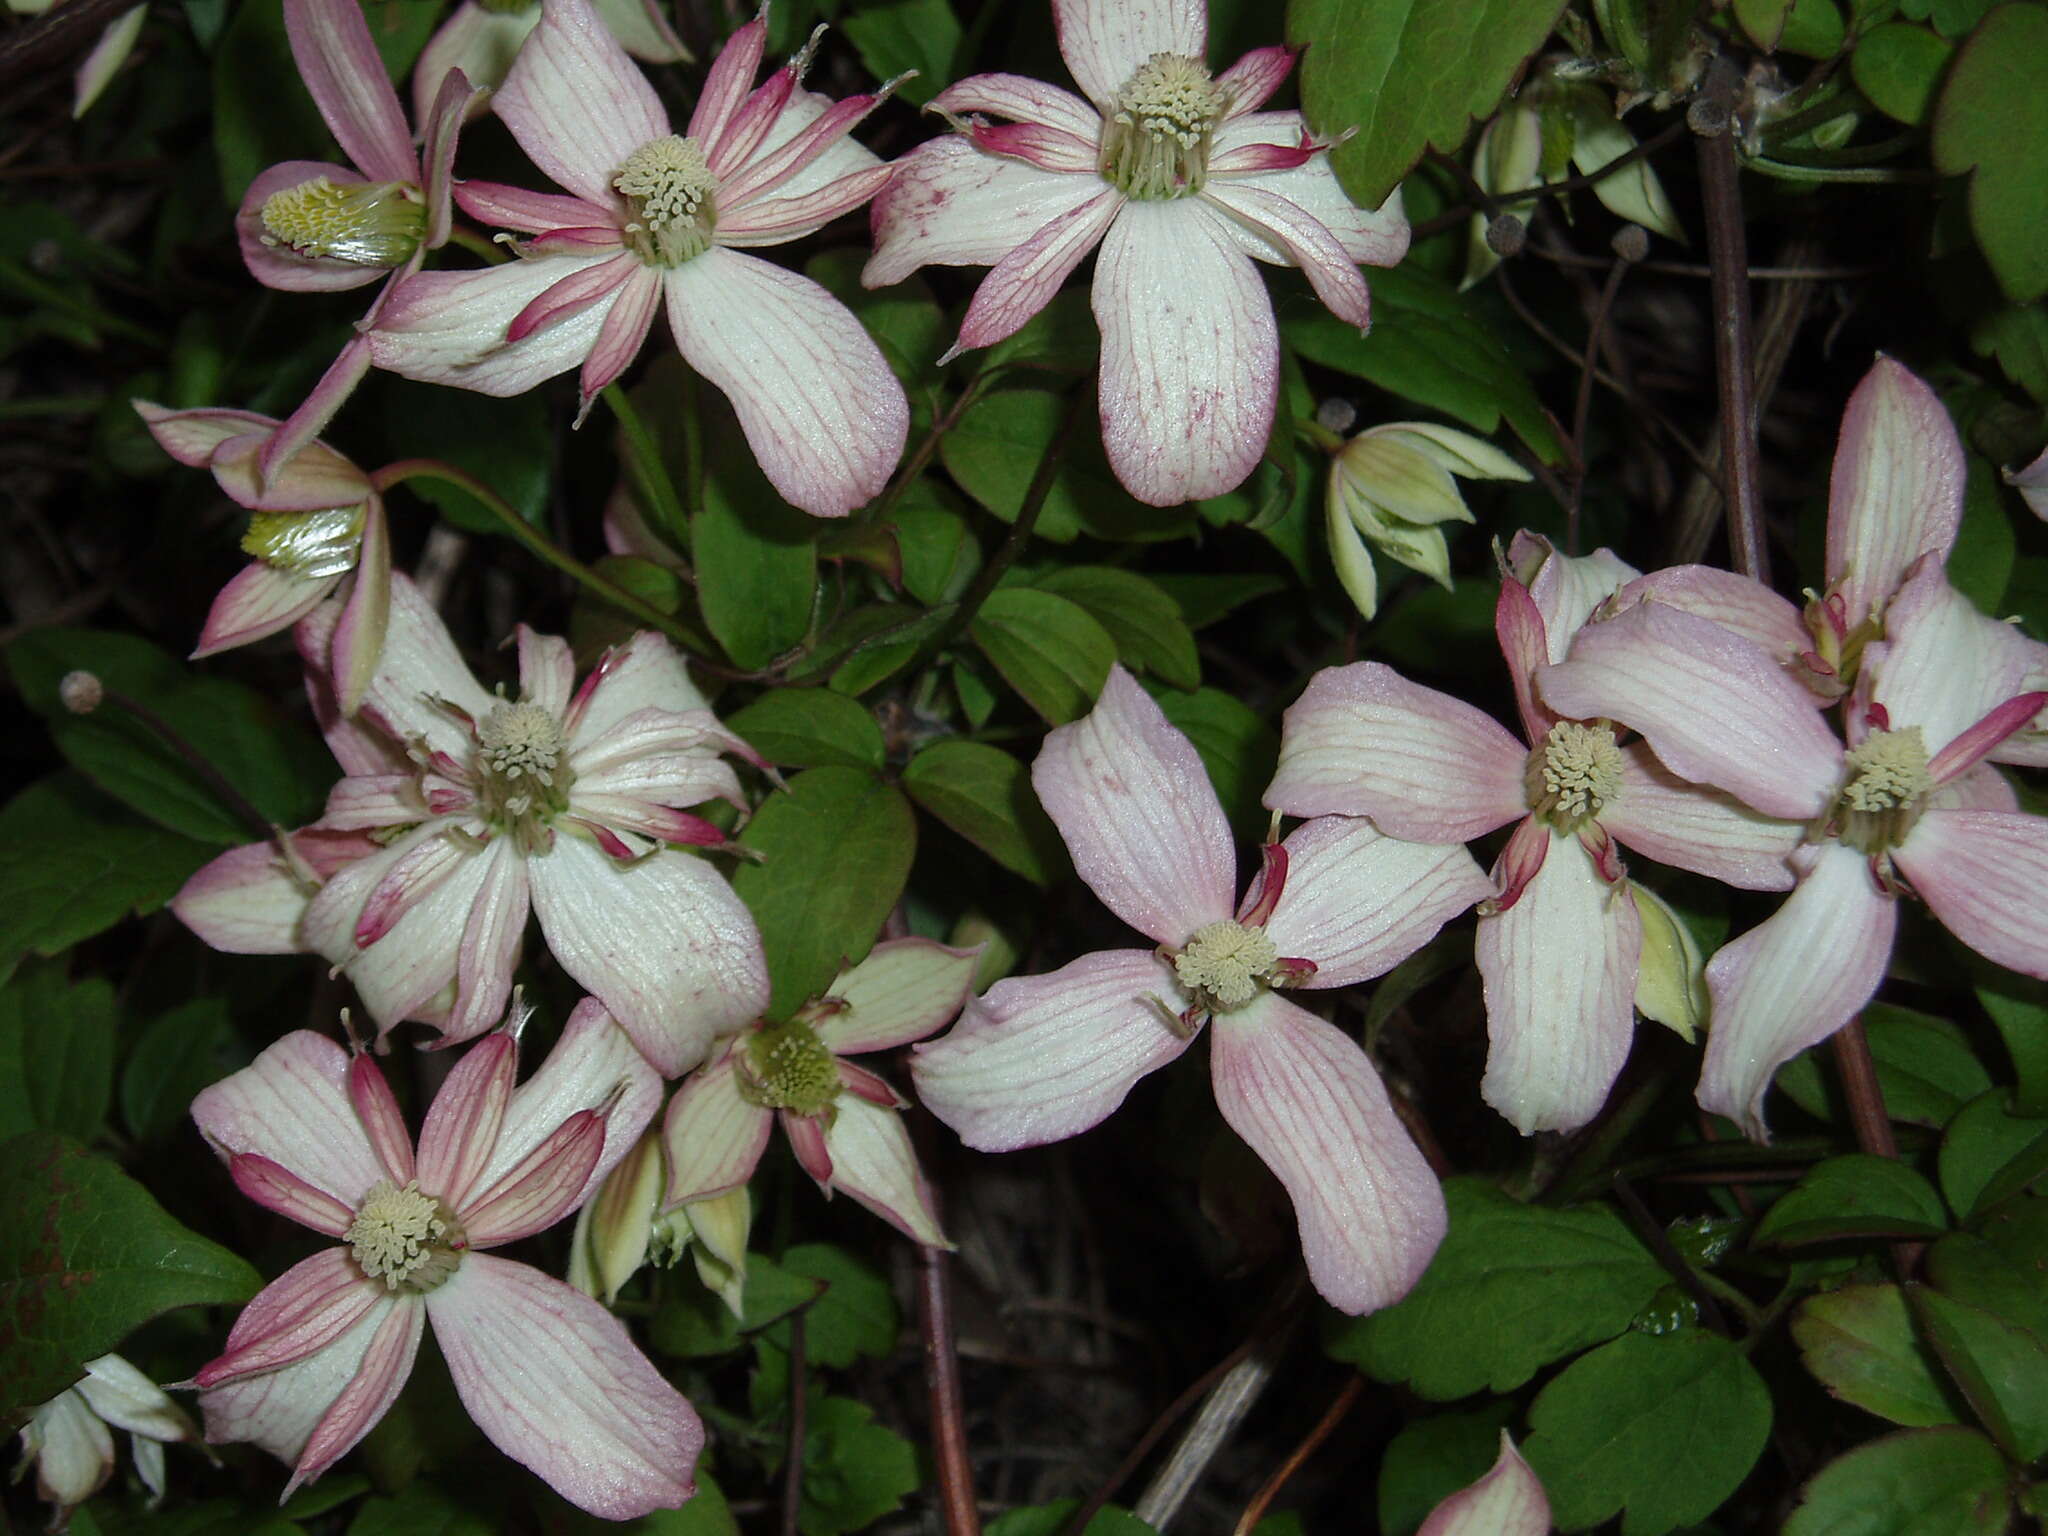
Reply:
x=86 y=1257
x=1046 y=648
x=1999 y=1266
x=1406 y=75
x=1859 y=1342
x=1238 y=749
x=1980 y=565
x=1851 y=1197
x=1513 y=1288
x=2017 y=335
x=177 y=1055
x=1951 y=18
x=2018 y=1006
x=1051 y=1519
x=1898 y=66
x=836 y=848
x=1060 y=338
x=923 y=35
x=507 y=444
x=56 y=1053
x=1205 y=598
x=855 y=1316
x=984 y=794
x=2002 y=1370
x=1812 y=29
x=692 y=1322
x=1433 y=1458
x=940 y=555
x=1663 y=1426
x=855 y=1470
x=422 y=1509
x=1150 y=634
x=1925 y=1482
x=904 y=318
x=1993 y=120
x=1988 y=1154
x=810 y=728
x=73 y=863
x=1924 y=1066
x=756 y=565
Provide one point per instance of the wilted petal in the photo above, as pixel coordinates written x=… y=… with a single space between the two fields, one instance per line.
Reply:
x=556 y=1384
x=1104 y=41
x=339 y=64
x=575 y=102
x=903 y=991
x=714 y=1137
x=1983 y=874
x=1508 y=1501
x=1897 y=491
x=949 y=204
x=1704 y=830
x=291 y=1105
x=449 y=327
x=1305 y=1098
x=1041 y=1058
x=1130 y=796
x=872 y=1161
x=383 y=1371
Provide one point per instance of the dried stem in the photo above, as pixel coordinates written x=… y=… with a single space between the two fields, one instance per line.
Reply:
x=942 y=1383
x=1255 y=1511
x=1873 y=1125
x=793 y=1459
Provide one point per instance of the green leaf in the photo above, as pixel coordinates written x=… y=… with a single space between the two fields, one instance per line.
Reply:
x=1407 y=76
x=1051 y=1519
x=281 y=769
x=2018 y=1006
x=1924 y=1065
x=1980 y=565
x=1993 y=119
x=854 y=1317
x=1433 y=1458
x=1951 y=18
x=1812 y=29
x=1860 y=1343
x=855 y=1470
x=692 y=1322
x=1851 y=1197
x=56 y=1053
x=904 y=318
x=1898 y=66
x=836 y=848
x=1663 y=1426
x=177 y=1055
x=1925 y=1482
x=1146 y=624
x=86 y=1257
x=422 y=1509
x=940 y=555
x=1513 y=1288
x=1060 y=338
x=2002 y=1370
x=1238 y=749
x=1988 y=1154
x=1203 y=599
x=257 y=121
x=923 y=35
x=1046 y=648
x=1998 y=1267
x=756 y=565
x=507 y=444
x=73 y=863
x=1430 y=345
x=984 y=794
x=2017 y=335
x=810 y=728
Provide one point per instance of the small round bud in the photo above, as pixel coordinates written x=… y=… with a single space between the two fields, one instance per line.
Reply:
x=81 y=692
x=1631 y=242
x=1337 y=415
x=1506 y=235
x=1708 y=117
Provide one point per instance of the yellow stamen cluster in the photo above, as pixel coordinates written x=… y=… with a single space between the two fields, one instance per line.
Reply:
x=788 y=1067
x=1156 y=141
x=520 y=758
x=1224 y=964
x=372 y=223
x=308 y=544
x=668 y=185
x=405 y=1237
x=1884 y=781
x=1573 y=775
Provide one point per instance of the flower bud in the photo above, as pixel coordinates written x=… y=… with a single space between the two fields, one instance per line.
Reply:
x=1671 y=984
x=81 y=692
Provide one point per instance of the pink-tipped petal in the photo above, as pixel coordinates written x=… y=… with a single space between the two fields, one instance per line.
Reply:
x=383 y=1371
x=1305 y=1098
x=1255 y=77
x=480 y=43
x=338 y=62
x=592 y=1065
x=1364 y=741
x=1508 y=1501
x=1290 y=229
x=1703 y=830
x=246 y=902
x=1967 y=750
x=872 y=1161
x=358 y=643
x=1982 y=873
x=1525 y=645
x=647 y=672
x=291 y=1106
x=555 y=1382
x=1050 y=149
x=1024 y=281
x=576 y=103
x=713 y=1136
x=541 y=1189
x=377 y=1108
x=450 y=327
x=806 y=1135
x=619 y=340
x=1793 y=980
x=1042 y=1058
x=1714 y=706
x=1565 y=588
x=277 y=1188
x=1897 y=491
x=1560 y=970
x=860 y=1083
x=502 y=206
x=793 y=215
x=301 y=1312
x=441 y=124
x=1023 y=100
x=276 y=265
x=1358 y=902
x=461 y=1129
x=729 y=82
x=258 y=601
x=1190 y=353
x=948 y=204
x=191 y=437
x=299 y=429
x=1378 y=237
x=903 y=991
x=1740 y=603
x=1130 y=796
x=1104 y=41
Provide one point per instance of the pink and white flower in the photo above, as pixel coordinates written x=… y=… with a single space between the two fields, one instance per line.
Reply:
x=1184 y=183
x=309 y=226
x=2032 y=484
x=841 y=1119
x=1560 y=946
x=1508 y=1501
x=462 y=810
x=313 y=1133
x=315 y=522
x=481 y=38
x=1041 y=1058
x=1903 y=805
x=69 y=1439
x=658 y=218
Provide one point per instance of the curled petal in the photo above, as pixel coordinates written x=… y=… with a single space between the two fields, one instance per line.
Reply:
x=713 y=1135
x=646 y=673
x=1254 y=78
x=872 y=1161
x=806 y=1135
x=490 y=943
x=291 y=1105
x=480 y=43
x=1566 y=588
x=191 y=437
x=508 y=207
x=297 y=431
x=358 y=643
x=1024 y=281
x=729 y=81
x=1946 y=665
x=377 y=1108
x=304 y=1310
x=279 y=1409
x=1297 y=233
x=1378 y=237
x=542 y=1188
x=339 y=64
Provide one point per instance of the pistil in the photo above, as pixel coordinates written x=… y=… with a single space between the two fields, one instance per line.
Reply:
x=370 y=223
x=668 y=185
x=1155 y=143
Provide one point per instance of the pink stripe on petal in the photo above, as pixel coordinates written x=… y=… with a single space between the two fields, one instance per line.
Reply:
x=776 y=166
x=1738 y=603
x=1378 y=237
x=301 y=1312
x=1024 y=100
x=750 y=123
x=1508 y=1501
x=377 y=1109
x=949 y=204
x=619 y=340
x=1520 y=861
x=291 y=1105
x=276 y=1188
x=1973 y=745
x=190 y=437
x=577 y=105
x=1328 y=267
x=1983 y=873
x=461 y=1129
x=713 y=1136
x=575 y=292
x=1104 y=41
x=869 y=1086
x=258 y=601
x=440 y=125
x=1305 y=1098
x=1250 y=159
x=385 y=1367
x=1525 y=644
x=1567 y=589
x=807 y=1140
x=412 y=877
x=1897 y=491
x=341 y=69
x=1255 y=77
x=306 y=423
x=1704 y=830
x=872 y=1161
x=1024 y=281
x=490 y=943
x=777 y=220
x=508 y=207
x=1946 y=665
x=358 y=643
x=1050 y=149
x=449 y=327
x=647 y=672
x=543 y=1189
x=547 y=671
x=729 y=81
x=592 y=1065
x=592 y=240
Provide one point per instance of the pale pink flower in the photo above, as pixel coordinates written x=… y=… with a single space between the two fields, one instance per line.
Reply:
x=1560 y=946
x=461 y=810
x=309 y=226
x=1905 y=805
x=315 y=522
x=1508 y=1501
x=69 y=1439
x=1184 y=183
x=2032 y=484
x=1041 y=1058
x=312 y=1364
x=656 y=218
x=841 y=1118
x=481 y=38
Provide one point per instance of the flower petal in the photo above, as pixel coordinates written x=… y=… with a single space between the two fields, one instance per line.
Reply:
x=257 y=602
x=1255 y=77
x=508 y=207
x=1377 y=237
x=1566 y=588
x=490 y=943
x=713 y=1136
x=245 y=902
x=904 y=990
x=481 y=43
x=1740 y=603
x=1945 y=665
x=191 y=437
x=1297 y=234
x=70 y=1446
x=1130 y=796
x=276 y=1188
x=1897 y=490
x=1704 y=830
x=302 y=1311
x=872 y=1161
x=576 y=103
x=461 y=1129
x=449 y=327
x=421 y=669
x=728 y=82
x=1024 y=281
x=291 y=1105
x=339 y=64
x=1305 y=1098
x=1982 y=873
x=541 y=1189
x=1024 y=100
x=642 y=30
x=951 y=205
x=1508 y=1501
x=1041 y=1058
x=645 y=673
x=298 y=430
x=382 y=1372
x=556 y=1384
x=358 y=642
x=1104 y=41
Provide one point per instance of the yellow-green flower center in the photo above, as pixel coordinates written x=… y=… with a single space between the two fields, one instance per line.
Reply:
x=1573 y=775
x=308 y=544
x=788 y=1067
x=1884 y=780
x=405 y=1237
x=668 y=186
x=371 y=223
x=1155 y=143
x=1224 y=964
x=522 y=759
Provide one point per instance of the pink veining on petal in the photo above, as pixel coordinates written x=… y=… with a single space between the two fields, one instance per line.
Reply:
x=1254 y=78
x=278 y=1189
x=462 y=1124
x=369 y=1394
x=339 y=63
x=377 y=1108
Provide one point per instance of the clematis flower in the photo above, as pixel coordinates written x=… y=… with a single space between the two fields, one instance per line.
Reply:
x=461 y=810
x=1183 y=182
x=1561 y=946
x=1041 y=1058
x=309 y=226
x=67 y=1439
x=656 y=218
x=1903 y=805
x=553 y=1380
x=481 y=38
x=319 y=520
x=841 y=1118
x=1508 y=1501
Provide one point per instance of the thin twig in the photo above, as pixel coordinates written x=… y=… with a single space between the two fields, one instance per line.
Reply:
x=1864 y=1096
x=246 y=813
x=793 y=1461
x=1629 y=240
x=1255 y=1511
x=942 y=1382
x=1492 y=202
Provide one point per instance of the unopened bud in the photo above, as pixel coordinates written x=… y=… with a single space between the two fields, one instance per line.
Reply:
x=1506 y=235
x=1338 y=415
x=81 y=692
x=1631 y=242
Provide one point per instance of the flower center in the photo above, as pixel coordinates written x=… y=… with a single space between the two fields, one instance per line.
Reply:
x=668 y=185
x=1885 y=779
x=308 y=544
x=1224 y=963
x=1156 y=141
x=405 y=1237
x=1574 y=775
x=372 y=223
x=520 y=757
x=786 y=1066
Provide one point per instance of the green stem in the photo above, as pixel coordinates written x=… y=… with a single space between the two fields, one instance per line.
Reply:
x=490 y=252
x=1785 y=171
x=649 y=475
